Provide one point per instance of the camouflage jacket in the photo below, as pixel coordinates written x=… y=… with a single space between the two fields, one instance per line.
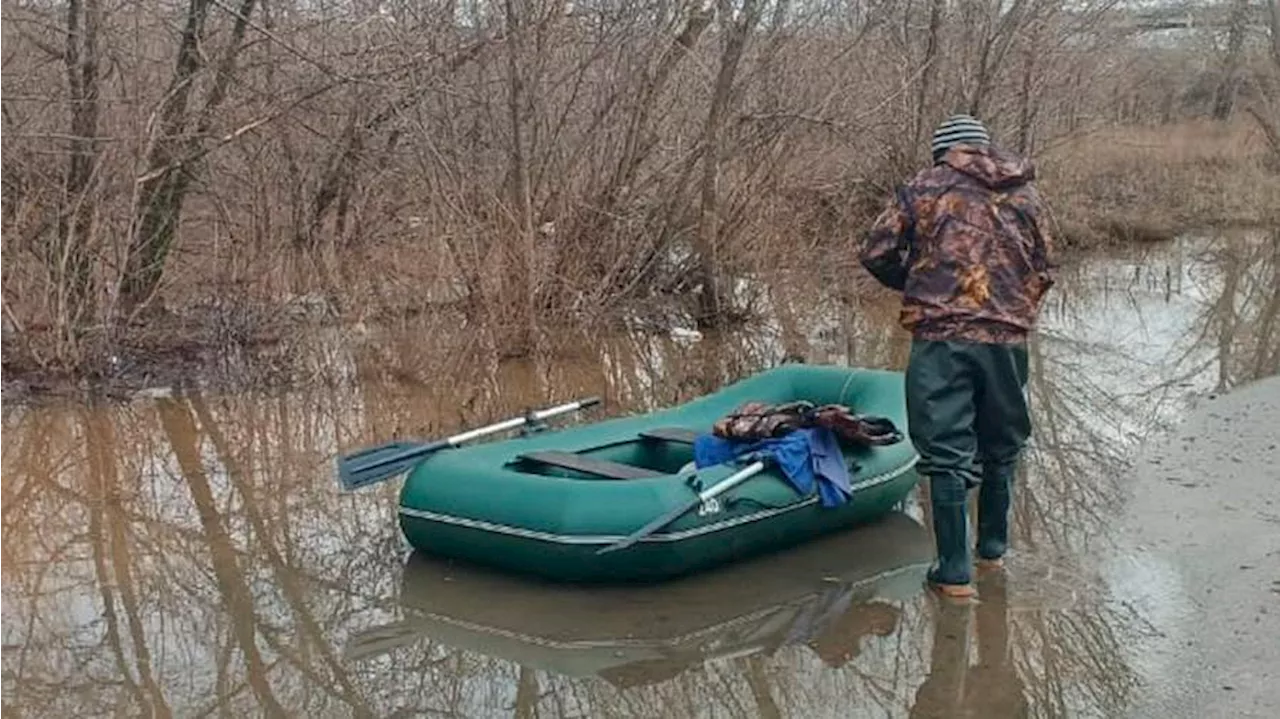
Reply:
x=964 y=242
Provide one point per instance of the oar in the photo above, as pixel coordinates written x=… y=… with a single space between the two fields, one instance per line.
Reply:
x=729 y=483
x=375 y=464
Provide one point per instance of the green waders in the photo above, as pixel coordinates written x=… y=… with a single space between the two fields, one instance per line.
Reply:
x=966 y=406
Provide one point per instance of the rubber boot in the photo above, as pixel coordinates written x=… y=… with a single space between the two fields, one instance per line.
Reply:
x=951 y=536
x=994 y=499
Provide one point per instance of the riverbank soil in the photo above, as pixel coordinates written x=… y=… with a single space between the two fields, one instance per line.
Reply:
x=1206 y=506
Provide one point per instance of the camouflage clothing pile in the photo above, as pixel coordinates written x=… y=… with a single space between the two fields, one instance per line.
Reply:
x=757 y=421
x=965 y=243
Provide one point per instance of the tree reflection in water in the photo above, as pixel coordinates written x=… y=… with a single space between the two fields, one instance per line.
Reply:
x=191 y=556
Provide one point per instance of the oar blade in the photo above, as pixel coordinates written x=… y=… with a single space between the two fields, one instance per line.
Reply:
x=378 y=464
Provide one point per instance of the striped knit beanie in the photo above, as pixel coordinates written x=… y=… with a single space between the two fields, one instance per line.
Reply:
x=956 y=130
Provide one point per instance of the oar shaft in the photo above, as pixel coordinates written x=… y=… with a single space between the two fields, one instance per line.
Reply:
x=706 y=495
x=514 y=422
x=375 y=464
x=732 y=481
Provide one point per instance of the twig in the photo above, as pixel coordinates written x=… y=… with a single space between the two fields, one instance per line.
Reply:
x=233 y=135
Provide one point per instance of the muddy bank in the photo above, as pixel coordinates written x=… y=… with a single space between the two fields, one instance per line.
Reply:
x=1205 y=521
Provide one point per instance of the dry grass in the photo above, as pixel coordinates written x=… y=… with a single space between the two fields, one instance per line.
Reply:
x=1152 y=183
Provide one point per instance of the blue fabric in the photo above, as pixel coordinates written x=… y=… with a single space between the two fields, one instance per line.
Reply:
x=807 y=457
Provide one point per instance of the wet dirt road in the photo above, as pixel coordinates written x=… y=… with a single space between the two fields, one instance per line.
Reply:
x=190 y=555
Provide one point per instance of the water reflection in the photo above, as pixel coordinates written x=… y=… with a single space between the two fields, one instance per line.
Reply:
x=190 y=555
x=1127 y=341
x=824 y=604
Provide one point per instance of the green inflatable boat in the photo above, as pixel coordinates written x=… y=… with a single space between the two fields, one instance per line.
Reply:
x=619 y=500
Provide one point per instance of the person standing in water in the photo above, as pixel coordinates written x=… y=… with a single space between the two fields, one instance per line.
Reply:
x=965 y=242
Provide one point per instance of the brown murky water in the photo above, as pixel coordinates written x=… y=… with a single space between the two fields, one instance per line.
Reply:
x=191 y=556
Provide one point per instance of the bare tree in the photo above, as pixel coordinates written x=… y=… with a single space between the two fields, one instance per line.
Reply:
x=71 y=258
x=738 y=29
x=163 y=188
x=520 y=165
x=1224 y=98
x=1267 y=111
x=929 y=73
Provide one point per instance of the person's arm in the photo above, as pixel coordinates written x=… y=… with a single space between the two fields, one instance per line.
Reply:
x=1038 y=221
x=1048 y=241
x=885 y=252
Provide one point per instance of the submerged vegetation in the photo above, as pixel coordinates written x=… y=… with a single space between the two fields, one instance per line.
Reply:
x=182 y=182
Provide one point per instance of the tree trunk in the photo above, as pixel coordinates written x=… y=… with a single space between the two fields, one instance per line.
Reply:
x=71 y=260
x=1026 y=100
x=638 y=141
x=1267 y=111
x=1273 y=28
x=518 y=257
x=342 y=165
x=160 y=195
x=1224 y=97
x=708 y=237
x=635 y=145
x=996 y=43
x=928 y=75
x=167 y=179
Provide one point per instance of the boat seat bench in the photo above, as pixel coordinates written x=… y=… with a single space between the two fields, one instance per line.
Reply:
x=589 y=465
x=678 y=435
x=607 y=468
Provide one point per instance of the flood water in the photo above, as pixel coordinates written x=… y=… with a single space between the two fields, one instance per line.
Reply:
x=190 y=555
